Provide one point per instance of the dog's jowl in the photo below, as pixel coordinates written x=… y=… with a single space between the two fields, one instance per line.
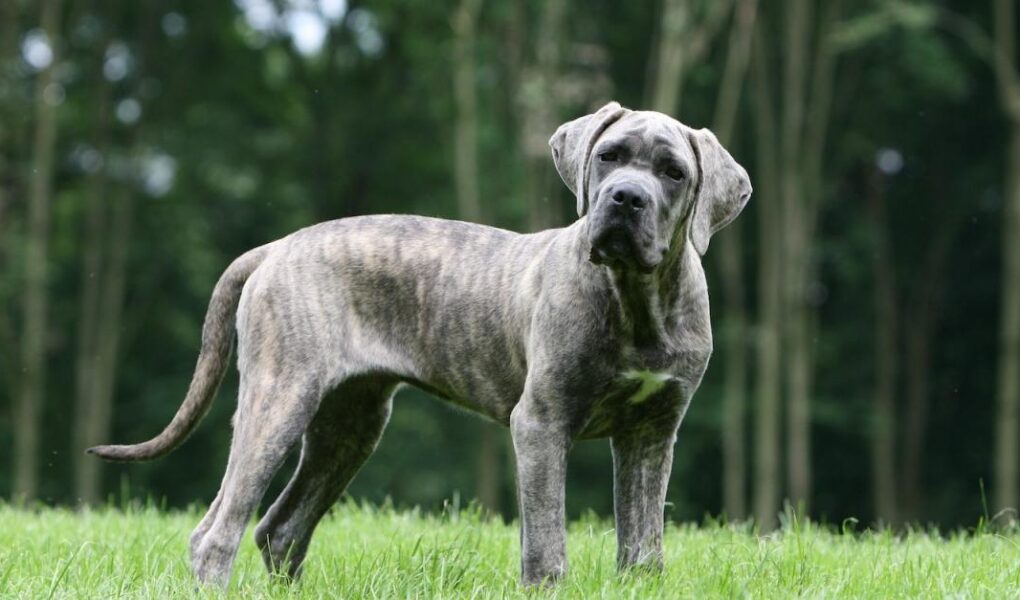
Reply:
x=599 y=329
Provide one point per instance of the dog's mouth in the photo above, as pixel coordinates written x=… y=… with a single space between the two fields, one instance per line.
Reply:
x=615 y=248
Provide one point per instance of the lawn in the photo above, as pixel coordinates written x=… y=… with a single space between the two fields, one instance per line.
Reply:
x=365 y=552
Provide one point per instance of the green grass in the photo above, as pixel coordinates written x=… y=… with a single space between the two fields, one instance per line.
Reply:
x=364 y=552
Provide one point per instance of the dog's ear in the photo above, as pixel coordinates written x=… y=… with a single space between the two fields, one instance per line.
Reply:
x=572 y=145
x=723 y=188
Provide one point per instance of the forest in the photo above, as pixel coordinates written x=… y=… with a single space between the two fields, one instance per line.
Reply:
x=866 y=304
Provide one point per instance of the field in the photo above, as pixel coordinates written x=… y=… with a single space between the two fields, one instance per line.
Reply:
x=366 y=552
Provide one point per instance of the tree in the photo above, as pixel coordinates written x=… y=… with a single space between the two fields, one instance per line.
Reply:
x=919 y=325
x=538 y=109
x=731 y=273
x=886 y=355
x=1007 y=446
x=465 y=163
x=768 y=382
x=686 y=32
x=87 y=428
x=35 y=297
x=10 y=132
x=807 y=71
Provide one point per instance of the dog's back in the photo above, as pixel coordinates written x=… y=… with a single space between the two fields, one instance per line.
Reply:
x=423 y=298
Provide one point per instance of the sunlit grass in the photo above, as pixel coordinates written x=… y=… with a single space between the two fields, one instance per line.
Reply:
x=365 y=552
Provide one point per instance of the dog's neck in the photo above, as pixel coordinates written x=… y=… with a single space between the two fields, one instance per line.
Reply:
x=668 y=303
x=666 y=308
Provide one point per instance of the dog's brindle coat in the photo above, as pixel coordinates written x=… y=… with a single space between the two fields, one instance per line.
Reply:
x=599 y=329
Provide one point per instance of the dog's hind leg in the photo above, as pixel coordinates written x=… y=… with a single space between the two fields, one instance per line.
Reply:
x=203 y=526
x=341 y=437
x=271 y=417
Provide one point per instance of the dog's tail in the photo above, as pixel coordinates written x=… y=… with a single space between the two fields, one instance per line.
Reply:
x=217 y=338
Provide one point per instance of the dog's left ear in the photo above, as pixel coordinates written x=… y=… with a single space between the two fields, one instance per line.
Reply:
x=572 y=145
x=723 y=188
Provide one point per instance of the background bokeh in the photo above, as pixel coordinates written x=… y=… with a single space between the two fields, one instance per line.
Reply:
x=867 y=358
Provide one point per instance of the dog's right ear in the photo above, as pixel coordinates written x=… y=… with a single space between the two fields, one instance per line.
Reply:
x=572 y=145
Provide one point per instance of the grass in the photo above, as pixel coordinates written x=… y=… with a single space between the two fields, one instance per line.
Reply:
x=366 y=552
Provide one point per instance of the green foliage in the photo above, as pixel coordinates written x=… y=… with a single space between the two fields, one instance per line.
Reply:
x=266 y=140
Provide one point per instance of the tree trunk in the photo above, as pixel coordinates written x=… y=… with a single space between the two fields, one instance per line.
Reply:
x=35 y=295
x=87 y=470
x=916 y=417
x=767 y=386
x=8 y=58
x=734 y=332
x=886 y=359
x=795 y=257
x=100 y=357
x=683 y=38
x=916 y=413
x=1007 y=494
x=803 y=323
x=465 y=21
x=731 y=273
x=918 y=326
x=1007 y=445
x=9 y=130
x=669 y=60
x=85 y=467
x=107 y=339
x=539 y=114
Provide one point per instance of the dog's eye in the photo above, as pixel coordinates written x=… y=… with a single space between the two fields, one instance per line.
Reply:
x=608 y=156
x=674 y=172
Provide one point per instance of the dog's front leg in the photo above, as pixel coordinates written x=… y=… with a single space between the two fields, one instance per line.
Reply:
x=642 y=460
x=541 y=450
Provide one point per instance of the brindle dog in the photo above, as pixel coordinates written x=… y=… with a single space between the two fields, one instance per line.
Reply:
x=599 y=329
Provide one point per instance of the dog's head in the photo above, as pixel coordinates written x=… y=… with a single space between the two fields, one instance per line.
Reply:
x=644 y=179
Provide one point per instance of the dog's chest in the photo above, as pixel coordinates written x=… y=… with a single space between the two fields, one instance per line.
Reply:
x=632 y=397
x=642 y=384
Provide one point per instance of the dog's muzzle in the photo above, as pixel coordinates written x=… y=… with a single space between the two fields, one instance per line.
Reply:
x=622 y=230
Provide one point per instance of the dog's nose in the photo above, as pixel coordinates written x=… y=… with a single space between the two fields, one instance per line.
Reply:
x=630 y=196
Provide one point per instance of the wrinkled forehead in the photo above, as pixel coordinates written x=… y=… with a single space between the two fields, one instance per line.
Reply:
x=647 y=132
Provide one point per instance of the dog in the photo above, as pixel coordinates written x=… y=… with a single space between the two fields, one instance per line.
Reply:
x=599 y=329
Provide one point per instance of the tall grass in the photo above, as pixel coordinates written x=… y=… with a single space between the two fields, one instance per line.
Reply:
x=368 y=552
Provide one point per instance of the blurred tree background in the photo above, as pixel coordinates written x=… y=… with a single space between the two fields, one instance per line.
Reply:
x=866 y=304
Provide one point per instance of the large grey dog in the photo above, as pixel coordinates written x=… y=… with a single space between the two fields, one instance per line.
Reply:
x=599 y=329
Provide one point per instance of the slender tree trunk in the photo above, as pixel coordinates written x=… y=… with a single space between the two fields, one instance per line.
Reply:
x=804 y=321
x=731 y=271
x=465 y=21
x=734 y=334
x=539 y=113
x=767 y=475
x=35 y=295
x=1007 y=445
x=8 y=58
x=9 y=13
x=108 y=335
x=100 y=358
x=87 y=470
x=683 y=37
x=886 y=359
x=795 y=258
x=93 y=425
x=669 y=60
x=1008 y=396
x=916 y=414
x=919 y=324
